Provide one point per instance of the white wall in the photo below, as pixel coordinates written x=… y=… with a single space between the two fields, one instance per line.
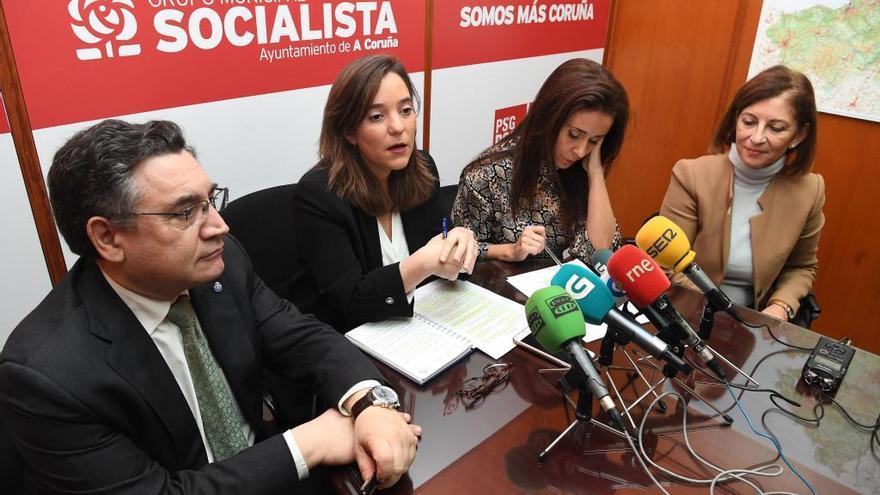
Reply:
x=22 y=268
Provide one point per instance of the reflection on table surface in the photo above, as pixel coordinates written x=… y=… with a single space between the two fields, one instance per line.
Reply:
x=493 y=448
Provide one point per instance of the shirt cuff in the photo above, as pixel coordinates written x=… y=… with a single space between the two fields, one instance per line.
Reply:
x=410 y=296
x=357 y=387
x=482 y=250
x=302 y=469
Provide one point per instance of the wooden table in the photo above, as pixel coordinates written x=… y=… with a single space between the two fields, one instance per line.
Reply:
x=493 y=448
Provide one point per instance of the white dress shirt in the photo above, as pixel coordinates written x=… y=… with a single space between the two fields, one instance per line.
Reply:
x=395 y=249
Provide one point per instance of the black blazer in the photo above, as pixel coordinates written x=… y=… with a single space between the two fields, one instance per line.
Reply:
x=341 y=278
x=95 y=409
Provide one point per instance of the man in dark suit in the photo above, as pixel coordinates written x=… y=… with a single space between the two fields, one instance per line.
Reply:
x=141 y=371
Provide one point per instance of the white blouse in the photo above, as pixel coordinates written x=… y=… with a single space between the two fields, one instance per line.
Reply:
x=395 y=249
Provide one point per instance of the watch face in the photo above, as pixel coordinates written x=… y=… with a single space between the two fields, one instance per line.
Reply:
x=385 y=394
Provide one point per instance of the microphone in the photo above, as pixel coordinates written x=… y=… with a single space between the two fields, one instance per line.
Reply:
x=599 y=261
x=557 y=323
x=645 y=284
x=664 y=241
x=597 y=306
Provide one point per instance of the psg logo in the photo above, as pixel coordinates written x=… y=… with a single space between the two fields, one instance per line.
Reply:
x=107 y=25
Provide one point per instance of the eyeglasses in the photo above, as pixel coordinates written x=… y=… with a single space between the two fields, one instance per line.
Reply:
x=475 y=390
x=218 y=198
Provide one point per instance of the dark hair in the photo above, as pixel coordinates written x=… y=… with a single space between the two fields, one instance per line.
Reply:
x=576 y=85
x=91 y=175
x=349 y=101
x=778 y=80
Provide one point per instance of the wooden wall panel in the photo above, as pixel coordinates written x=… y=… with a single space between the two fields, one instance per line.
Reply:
x=681 y=63
x=848 y=285
x=672 y=57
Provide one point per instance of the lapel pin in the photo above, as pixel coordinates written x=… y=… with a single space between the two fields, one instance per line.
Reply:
x=218 y=287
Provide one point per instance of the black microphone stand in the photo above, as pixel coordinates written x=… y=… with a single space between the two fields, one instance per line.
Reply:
x=669 y=372
x=583 y=413
x=707 y=322
x=612 y=339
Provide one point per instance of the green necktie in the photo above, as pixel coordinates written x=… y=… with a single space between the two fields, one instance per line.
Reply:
x=219 y=418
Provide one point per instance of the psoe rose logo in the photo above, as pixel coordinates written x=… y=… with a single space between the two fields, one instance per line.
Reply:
x=108 y=25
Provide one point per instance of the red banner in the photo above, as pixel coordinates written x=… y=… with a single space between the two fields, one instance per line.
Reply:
x=89 y=59
x=476 y=31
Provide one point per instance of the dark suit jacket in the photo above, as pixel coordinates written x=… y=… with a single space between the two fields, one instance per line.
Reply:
x=342 y=280
x=95 y=409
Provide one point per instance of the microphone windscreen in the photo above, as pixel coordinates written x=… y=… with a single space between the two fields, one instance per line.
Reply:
x=664 y=241
x=588 y=291
x=638 y=275
x=554 y=318
x=599 y=260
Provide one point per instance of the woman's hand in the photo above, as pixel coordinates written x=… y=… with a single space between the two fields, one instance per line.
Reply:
x=776 y=311
x=460 y=248
x=531 y=242
x=593 y=164
x=448 y=257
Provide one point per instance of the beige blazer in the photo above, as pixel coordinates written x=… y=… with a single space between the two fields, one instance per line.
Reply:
x=785 y=235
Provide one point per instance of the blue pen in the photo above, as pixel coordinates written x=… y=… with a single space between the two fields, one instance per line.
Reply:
x=445 y=227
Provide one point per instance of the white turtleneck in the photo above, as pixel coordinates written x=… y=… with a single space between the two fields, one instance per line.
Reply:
x=748 y=185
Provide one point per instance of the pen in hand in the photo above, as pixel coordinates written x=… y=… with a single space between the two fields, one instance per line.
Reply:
x=548 y=251
x=445 y=226
x=369 y=486
x=552 y=256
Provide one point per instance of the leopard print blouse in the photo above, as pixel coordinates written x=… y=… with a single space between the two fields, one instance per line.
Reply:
x=483 y=205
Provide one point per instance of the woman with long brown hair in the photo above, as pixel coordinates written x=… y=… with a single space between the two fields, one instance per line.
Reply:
x=370 y=212
x=545 y=183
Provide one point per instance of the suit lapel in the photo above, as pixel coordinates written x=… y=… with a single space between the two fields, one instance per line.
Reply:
x=762 y=235
x=728 y=217
x=134 y=356
x=370 y=234
x=418 y=229
x=222 y=323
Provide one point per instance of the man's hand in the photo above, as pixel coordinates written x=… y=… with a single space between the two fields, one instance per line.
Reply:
x=327 y=439
x=385 y=444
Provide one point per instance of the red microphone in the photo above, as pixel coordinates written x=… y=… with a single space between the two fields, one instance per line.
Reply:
x=645 y=285
x=633 y=270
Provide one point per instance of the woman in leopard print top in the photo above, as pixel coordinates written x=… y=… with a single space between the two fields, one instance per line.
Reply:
x=545 y=183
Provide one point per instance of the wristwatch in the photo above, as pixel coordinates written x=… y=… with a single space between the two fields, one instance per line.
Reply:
x=380 y=395
x=784 y=305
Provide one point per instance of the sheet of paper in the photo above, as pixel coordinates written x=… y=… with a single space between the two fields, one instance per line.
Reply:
x=529 y=282
x=489 y=321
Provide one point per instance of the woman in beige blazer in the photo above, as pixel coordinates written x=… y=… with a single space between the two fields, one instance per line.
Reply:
x=753 y=210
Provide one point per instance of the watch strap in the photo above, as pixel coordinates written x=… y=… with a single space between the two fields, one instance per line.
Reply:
x=789 y=311
x=369 y=399
x=364 y=402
